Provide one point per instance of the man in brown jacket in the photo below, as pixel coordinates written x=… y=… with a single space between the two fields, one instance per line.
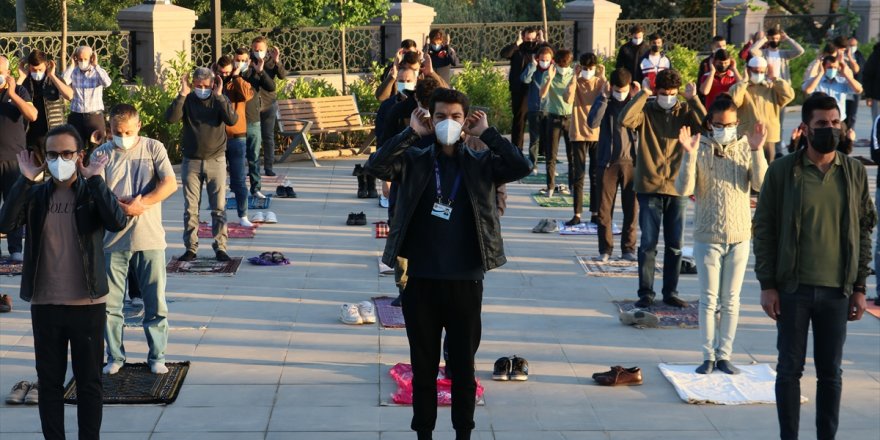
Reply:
x=586 y=85
x=239 y=92
x=658 y=160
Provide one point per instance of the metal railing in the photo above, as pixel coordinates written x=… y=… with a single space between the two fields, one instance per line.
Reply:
x=478 y=41
x=114 y=48
x=694 y=33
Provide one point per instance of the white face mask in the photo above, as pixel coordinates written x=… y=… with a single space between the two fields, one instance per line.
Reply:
x=620 y=96
x=757 y=78
x=260 y=54
x=724 y=135
x=241 y=66
x=544 y=64
x=38 y=76
x=637 y=41
x=61 y=169
x=404 y=86
x=202 y=93
x=853 y=49
x=588 y=74
x=448 y=132
x=2 y=80
x=84 y=65
x=125 y=142
x=666 y=102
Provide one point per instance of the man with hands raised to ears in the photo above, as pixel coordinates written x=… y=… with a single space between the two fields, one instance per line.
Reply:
x=447 y=226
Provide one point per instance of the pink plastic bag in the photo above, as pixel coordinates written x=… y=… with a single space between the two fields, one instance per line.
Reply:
x=402 y=375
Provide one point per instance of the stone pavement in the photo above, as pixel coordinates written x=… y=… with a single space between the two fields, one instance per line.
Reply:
x=270 y=360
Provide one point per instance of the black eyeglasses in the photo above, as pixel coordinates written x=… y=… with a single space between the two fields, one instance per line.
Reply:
x=66 y=155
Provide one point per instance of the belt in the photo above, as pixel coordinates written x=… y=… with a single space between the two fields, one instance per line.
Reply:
x=99 y=112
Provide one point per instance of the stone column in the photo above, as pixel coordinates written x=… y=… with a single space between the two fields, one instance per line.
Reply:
x=159 y=30
x=869 y=26
x=745 y=23
x=414 y=22
x=596 y=22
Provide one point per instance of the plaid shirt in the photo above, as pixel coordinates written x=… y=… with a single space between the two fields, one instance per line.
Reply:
x=88 y=88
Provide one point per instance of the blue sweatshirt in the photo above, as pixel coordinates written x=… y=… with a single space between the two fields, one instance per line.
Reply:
x=534 y=77
x=616 y=143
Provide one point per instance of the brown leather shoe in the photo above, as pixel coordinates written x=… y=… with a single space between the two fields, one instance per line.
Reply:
x=619 y=376
x=5 y=304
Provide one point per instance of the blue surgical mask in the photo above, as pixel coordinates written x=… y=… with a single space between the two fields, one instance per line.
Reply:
x=436 y=47
x=202 y=93
x=830 y=73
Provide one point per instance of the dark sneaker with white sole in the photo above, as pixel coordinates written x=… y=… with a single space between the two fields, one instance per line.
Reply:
x=501 y=371
x=519 y=368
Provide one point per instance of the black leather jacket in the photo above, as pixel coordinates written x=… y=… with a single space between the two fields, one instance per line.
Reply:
x=96 y=211
x=412 y=168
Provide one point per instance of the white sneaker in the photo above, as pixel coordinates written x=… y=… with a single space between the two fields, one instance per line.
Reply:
x=159 y=368
x=259 y=195
x=271 y=217
x=602 y=258
x=350 y=315
x=17 y=257
x=383 y=201
x=245 y=222
x=367 y=312
x=111 y=368
x=259 y=217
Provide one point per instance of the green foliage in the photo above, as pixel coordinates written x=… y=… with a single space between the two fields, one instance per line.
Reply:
x=346 y=13
x=491 y=11
x=486 y=86
x=364 y=89
x=686 y=62
x=309 y=88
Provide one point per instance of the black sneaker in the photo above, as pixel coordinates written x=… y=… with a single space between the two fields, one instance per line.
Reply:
x=360 y=219
x=501 y=371
x=576 y=220
x=270 y=173
x=396 y=302
x=187 y=256
x=644 y=302
x=281 y=191
x=675 y=301
x=351 y=219
x=289 y=192
x=519 y=369
x=222 y=256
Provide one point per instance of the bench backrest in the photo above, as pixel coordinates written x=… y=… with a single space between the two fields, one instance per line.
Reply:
x=332 y=113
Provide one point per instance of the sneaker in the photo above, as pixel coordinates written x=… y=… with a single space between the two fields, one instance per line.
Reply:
x=350 y=315
x=159 y=368
x=563 y=189
x=644 y=302
x=629 y=256
x=269 y=173
x=18 y=393
x=726 y=366
x=289 y=192
x=576 y=220
x=675 y=301
x=383 y=201
x=351 y=219
x=519 y=368
x=18 y=257
x=187 y=256
x=5 y=303
x=111 y=368
x=33 y=395
x=540 y=226
x=360 y=219
x=243 y=221
x=501 y=371
x=271 y=218
x=281 y=191
x=222 y=256
x=550 y=226
x=602 y=258
x=258 y=194
x=259 y=217
x=640 y=318
x=367 y=312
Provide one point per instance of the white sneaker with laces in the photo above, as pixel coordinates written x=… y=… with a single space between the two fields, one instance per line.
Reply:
x=271 y=217
x=259 y=217
x=259 y=195
x=367 y=312
x=245 y=222
x=111 y=368
x=350 y=315
x=159 y=368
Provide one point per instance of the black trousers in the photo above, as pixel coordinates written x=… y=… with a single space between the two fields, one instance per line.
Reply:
x=429 y=306
x=827 y=308
x=267 y=126
x=577 y=152
x=617 y=174
x=86 y=124
x=9 y=173
x=554 y=127
x=519 y=107
x=852 y=110
x=82 y=327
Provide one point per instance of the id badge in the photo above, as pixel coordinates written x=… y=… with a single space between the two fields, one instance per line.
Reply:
x=441 y=211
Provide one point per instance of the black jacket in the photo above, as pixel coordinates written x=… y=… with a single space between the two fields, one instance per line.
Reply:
x=204 y=124
x=96 y=212
x=411 y=168
x=520 y=57
x=629 y=56
x=871 y=74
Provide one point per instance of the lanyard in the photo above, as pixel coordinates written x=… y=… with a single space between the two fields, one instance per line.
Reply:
x=454 y=185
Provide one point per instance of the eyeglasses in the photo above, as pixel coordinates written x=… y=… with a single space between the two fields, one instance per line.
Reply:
x=720 y=126
x=66 y=155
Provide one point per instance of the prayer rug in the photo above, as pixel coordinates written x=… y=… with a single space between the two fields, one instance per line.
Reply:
x=206 y=266
x=754 y=385
x=557 y=201
x=585 y=228
x=542 y=179
x=612 y=268
x=253 y=202
x=136 y=384
x=9 y=267
x=389 y=316
x=670 y=316
x=872 y=308
x=234 y=230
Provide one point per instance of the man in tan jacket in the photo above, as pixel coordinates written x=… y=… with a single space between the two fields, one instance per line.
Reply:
x=586 y=85
x=658 y=160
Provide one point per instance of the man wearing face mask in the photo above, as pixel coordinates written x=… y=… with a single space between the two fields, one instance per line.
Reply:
x=252 y=69
x=239 y=93
x=760 y=97
x=141 y=177
x=443 y=56
x=520 y=54
x=658 y=159
x=558 y=108
x=720 y=77
x=84 y=83
x=268 y=103
x=205 y=113
x=768 y=47
x=534 y=77
x=653 y=62
x=447 y=225
x=16 y=110
x=812 y=242
x=37 y=75
x=63 y=276
x=836 y=80
x=852 y=100
x=614 y=167
x=630 y=54
x=718 y=42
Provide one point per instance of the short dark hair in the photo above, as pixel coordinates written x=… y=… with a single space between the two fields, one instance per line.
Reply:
x=36 y=57
x=621 y=77
x=655 y=36
x=721 y=55
x=68 y=130
x=449 y=96
x=817 y=101
x=668 y=79
x=242 y=51
x=772 y=31
x=224 y=61
x=529 y=30
x=588 y=59
x=722 y=103
x=425 y=88
x=260 y=39
x=410 y=58
x=635 y=29
x=829 y=59
x=840 y=42
x=718 y=38
x=436 y=33
x=408 y=44
x=829 y=49
x=123 y=112
x=563 y=57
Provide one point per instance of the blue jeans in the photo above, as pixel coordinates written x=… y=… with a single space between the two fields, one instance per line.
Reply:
x=720 y=269
x=254 y=139
x=235 y=160
x=827 y=308
x=149 y=268
x=670 y=211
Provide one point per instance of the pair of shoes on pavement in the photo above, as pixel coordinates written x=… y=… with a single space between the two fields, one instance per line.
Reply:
x=639 y=318
x=24 y=392
x=356 y=314
x=285 y=191
x=190 y=256
x=671 y=300
x=359 y=219
x=619 y=376
x=5 y=303
x=268 y=217
x=723 y=365
x=563 y=190
x=511 y=368
x=546 y=226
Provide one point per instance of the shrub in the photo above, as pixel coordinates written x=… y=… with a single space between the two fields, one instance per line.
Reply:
x=686 y=62
x=309 y=88
x=486 y=86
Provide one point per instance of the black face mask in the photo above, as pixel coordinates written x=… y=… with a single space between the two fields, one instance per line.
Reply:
x=721 y=69
x=528 y=46
x=656 y=48
x=773 y=44
x=825 y=140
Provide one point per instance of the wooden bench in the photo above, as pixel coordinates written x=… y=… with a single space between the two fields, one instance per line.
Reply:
x=299 y=118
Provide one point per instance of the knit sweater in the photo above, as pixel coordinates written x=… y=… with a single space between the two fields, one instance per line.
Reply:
x=721 y=185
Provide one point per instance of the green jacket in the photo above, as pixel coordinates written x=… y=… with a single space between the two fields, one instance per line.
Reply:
x=777 y=224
